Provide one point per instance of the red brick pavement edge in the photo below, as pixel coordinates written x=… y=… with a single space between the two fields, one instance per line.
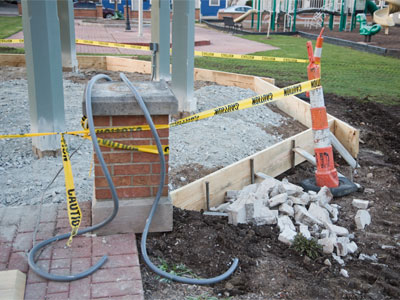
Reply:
x=119 y=278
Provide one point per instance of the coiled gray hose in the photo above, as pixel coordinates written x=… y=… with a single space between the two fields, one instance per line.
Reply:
x=31 y=256
x=157 y=199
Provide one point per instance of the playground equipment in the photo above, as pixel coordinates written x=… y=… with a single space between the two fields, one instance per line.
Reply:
x=291 y=9
x=388 y=16
x=366 y=30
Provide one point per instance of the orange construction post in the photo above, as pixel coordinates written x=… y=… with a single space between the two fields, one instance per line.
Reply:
x=326 y=174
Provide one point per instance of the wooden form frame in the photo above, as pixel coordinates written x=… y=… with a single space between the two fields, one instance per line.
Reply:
x=12 y=285
x=272 y=161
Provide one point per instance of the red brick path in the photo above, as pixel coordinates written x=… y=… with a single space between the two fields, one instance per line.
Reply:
x=119 y=278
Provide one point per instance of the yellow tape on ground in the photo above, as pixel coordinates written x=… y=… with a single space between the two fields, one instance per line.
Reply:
x=196 y=53
x=9 y=41
x=74 y=211
x=251 y=102
x=249 y=57
x=112 y=45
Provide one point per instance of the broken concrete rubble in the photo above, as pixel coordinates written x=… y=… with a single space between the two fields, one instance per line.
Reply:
x=319 y=213
x=301 y=215
x=362 y=219
x=277 y=200
x=287 y=236
x=286 y=209
x=303 y=229
x=358 y=203
x=284 y=222
x=294 y=211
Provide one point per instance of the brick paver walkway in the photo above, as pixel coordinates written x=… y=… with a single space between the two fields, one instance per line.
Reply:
x=219 y=41
x=119 y=278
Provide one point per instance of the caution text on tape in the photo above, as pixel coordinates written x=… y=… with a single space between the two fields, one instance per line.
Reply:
x=74 y=211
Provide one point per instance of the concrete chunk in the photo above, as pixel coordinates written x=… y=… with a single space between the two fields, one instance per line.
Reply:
x=362 y=219
x=304 y=199
x=249 y=206
x=319 y=213
x=286 y=209
x=301 y=215
x=304 y=231
x=285 y=221
x=277 y=200
x=221 y=208
x=338 y=230
x=344 y=273
x=327 y=245
x=237 y=212
x=265 y=216
x=358 y=203
x=287 y=236
x=290 y=188
x=324 y=196
x=338 y=259
x=277 y=189
x=341 y=246
x=251 y=188
x=262 y=192
x=352 y=247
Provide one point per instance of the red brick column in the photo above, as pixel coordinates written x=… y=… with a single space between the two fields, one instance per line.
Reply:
x=135 y=174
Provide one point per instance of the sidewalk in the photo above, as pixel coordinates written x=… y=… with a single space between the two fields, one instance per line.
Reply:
x=219 y=41
x=119 y=278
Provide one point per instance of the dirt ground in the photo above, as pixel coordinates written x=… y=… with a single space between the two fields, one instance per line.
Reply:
x=270 y=270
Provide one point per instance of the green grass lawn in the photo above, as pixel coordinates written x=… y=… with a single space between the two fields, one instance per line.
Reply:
x=345 y=72
x=9 y=26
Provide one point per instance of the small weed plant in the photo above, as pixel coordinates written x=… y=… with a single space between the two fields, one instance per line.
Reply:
x=303 y=246
x=174 y=269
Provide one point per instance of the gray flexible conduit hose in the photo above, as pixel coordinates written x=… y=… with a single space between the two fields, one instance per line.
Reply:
x=92 y=269
x=155 y=204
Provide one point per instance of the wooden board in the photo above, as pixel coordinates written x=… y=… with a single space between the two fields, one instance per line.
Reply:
x=12 y=285
x=12 y=60
x=92 y=62
x=115 y=63
x=272 y=161
x=229 y=79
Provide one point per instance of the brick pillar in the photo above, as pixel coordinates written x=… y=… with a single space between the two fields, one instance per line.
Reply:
x=99 y=11
x=136 y=175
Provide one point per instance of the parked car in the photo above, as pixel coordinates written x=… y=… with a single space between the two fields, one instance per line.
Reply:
x=108 y=13
x=235 y=9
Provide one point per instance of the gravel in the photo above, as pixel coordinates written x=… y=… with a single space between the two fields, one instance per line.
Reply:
x=218 y=141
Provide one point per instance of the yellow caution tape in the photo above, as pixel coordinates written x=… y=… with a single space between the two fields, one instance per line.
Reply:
x=253 y=101
x=9 y=41
x=142 y=148
x=112 y=45
x=196 y=53
x=74 y=211
x=249 y=57
x=239 y=105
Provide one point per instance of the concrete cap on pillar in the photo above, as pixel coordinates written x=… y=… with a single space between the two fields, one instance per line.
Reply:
x=115 y=99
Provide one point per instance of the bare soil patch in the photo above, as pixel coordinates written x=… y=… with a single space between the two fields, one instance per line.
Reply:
x=269 y=269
